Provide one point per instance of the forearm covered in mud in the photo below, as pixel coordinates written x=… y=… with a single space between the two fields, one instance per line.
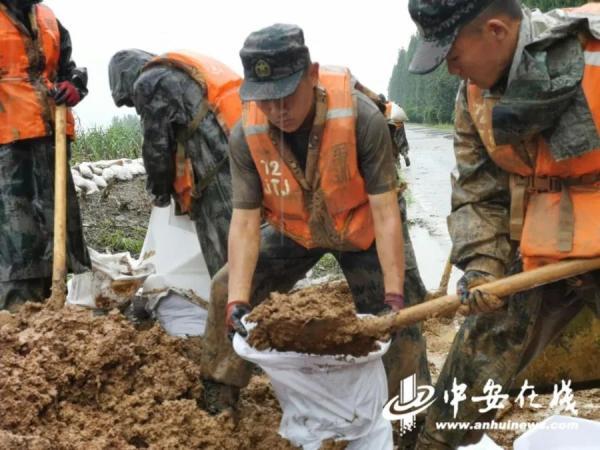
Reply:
x=243 y=247
x=479 y=221
x=389 y=240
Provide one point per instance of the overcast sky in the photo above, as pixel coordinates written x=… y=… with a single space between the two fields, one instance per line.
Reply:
x=364 y=36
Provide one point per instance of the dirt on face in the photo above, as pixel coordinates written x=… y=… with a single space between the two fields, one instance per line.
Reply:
x=319 y=320
x=72 y=379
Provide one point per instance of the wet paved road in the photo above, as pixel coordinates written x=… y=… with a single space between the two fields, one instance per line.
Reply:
x=428 y=178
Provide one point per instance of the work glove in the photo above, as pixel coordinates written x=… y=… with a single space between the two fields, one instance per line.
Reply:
x=66 y=92
x=233 y=317
x=474 y=301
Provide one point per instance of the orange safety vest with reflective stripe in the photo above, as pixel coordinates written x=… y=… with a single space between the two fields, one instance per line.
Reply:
x=341 y=184
x=555 y=205
x=26 y=108
x=221 y=85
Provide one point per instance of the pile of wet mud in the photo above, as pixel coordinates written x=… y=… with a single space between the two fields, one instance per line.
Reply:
x=319 y=320
x=72 y=379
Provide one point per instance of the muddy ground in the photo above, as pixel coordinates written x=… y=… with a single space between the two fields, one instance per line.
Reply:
x=116 y=218
x=78 y=380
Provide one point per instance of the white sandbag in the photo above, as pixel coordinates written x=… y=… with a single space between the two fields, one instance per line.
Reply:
x=87 y=186
x=136 y=169
x=108 y=174
x=103 y=164
x=122 y=173
x=100 y=182
x=86 y=171
x=180 y=317
x=171 y=246
x=327 y=397
x=561 y=433
x=97 y=170
x=114 y=280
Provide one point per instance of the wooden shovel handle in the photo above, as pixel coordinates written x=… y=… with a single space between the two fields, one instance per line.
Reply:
x=503 y=287
x=59 y=262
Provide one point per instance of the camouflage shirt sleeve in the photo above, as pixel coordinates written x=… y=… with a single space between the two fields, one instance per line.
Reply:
x=164 y=99
x=479 y=220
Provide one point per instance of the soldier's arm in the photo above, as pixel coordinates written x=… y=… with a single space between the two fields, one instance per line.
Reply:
x=244 y=231
x=479 y=220
x=158 y=98
x=389 y=240
x=67 y=69
x=376 y=164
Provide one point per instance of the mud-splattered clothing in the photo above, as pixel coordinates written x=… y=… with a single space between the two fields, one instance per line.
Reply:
x=167 y=100
x=499 y=345
x=27 y=200
x=373 y=146
x=281 y=263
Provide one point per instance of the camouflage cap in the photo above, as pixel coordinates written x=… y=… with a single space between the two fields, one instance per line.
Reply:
x=439 y=22
x=274 y=61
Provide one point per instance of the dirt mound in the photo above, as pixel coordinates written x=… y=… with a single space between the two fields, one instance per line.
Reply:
x=320 y=320
x=70 y=379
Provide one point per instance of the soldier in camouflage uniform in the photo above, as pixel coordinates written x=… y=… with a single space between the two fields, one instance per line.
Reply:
x=27 y=165
x=496 y=47
x=167 y=100
x=280 y=260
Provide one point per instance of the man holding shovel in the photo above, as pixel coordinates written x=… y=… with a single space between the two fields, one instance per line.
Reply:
x=527 y=187
x=188 y=104
x=36 y=73
x=313 y=156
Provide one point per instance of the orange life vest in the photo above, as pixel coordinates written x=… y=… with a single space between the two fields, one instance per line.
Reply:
x=555 y=206
x=285 y=197
x=222 y=87
x=26 y=108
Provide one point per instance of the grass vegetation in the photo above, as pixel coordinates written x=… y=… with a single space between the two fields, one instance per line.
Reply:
x=121 y=139
x=115 y=240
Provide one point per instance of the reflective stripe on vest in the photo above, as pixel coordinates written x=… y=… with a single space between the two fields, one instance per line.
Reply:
x=339 y=197
x=26 y=109
x=221 y=85
x=560 y=199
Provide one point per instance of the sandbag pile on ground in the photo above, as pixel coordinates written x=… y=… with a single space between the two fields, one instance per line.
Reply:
x=92 y=177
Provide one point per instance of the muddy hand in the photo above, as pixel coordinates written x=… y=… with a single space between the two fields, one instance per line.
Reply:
x=233 y=318
x=474 y=301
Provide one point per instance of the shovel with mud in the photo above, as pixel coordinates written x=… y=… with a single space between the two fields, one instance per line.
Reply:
x=340 y=331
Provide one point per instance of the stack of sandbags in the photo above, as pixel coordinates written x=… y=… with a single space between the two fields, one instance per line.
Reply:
x=92 y=177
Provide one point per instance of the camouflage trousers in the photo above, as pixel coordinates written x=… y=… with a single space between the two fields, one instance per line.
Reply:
x=26 y=216
x=499 y=346
x=281 y=263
